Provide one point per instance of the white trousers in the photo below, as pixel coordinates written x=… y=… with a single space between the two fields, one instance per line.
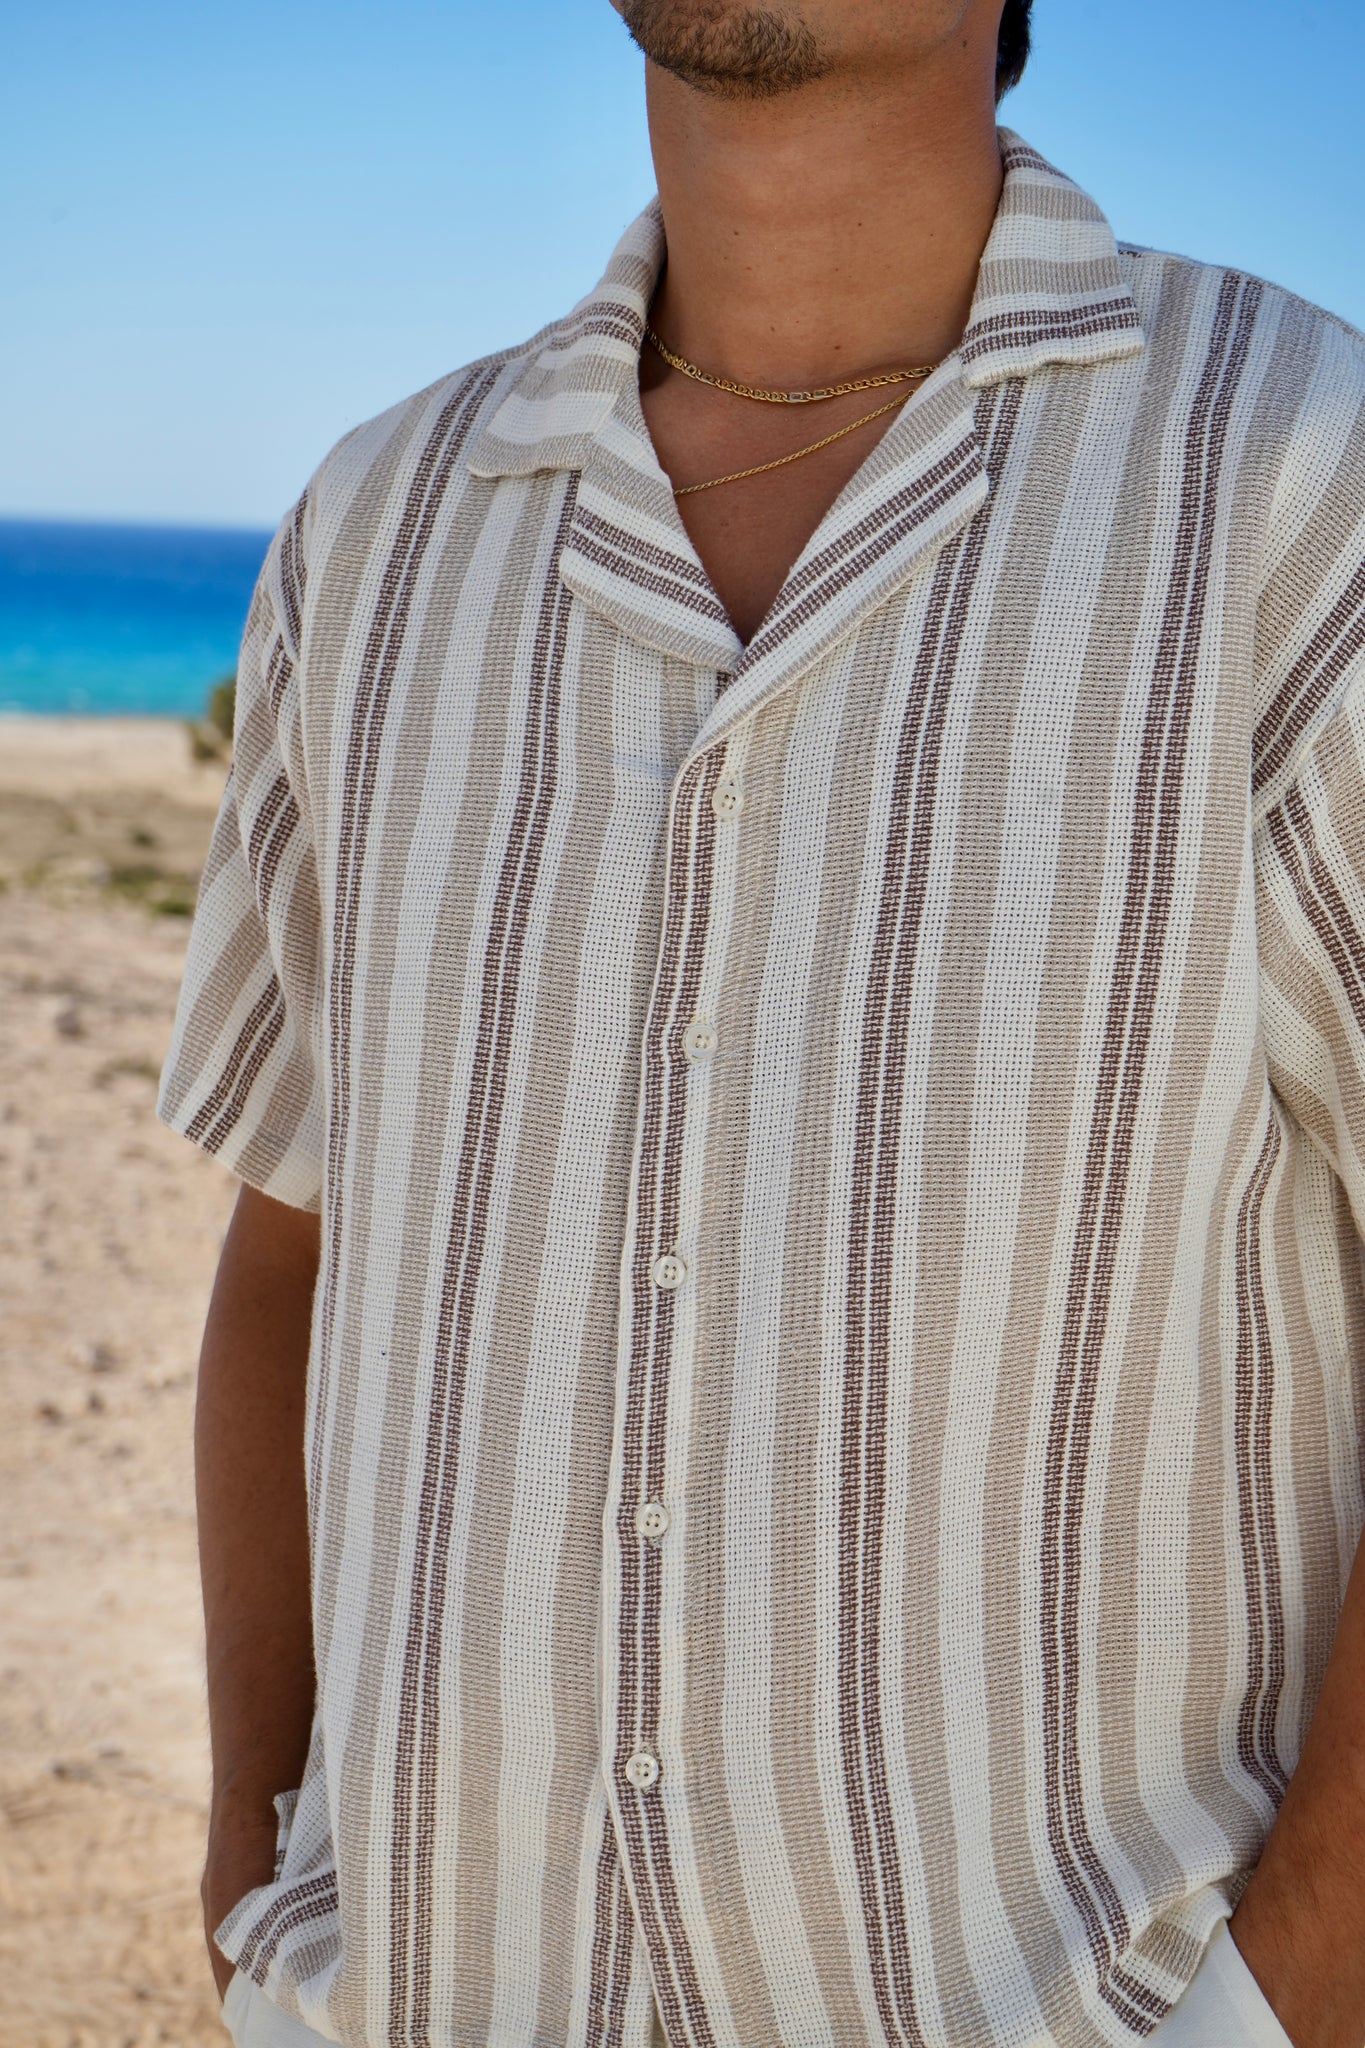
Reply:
x=1224 y=2007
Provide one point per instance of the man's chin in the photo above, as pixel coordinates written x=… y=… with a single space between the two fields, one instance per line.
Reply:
x=732 y=52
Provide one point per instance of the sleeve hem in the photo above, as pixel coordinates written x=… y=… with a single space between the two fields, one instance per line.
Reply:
x=271 y=1160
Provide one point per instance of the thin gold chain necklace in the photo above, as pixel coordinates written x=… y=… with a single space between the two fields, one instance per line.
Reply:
x=761 y=468
x=766 y=397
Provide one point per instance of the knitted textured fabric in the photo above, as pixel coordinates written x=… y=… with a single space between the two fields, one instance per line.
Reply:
x=891 y=1096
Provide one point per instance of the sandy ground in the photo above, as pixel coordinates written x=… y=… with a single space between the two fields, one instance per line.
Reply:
x=109 y=1233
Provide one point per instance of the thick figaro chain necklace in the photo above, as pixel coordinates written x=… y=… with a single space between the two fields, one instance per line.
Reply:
x=767 y=397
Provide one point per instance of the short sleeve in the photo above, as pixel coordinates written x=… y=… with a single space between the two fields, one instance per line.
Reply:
x=1310 y=880
x=244 y=1075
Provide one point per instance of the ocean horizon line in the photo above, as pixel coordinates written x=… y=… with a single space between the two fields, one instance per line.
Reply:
x=118 y=522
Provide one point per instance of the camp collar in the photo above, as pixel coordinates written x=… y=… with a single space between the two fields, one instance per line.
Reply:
x=1049 y=291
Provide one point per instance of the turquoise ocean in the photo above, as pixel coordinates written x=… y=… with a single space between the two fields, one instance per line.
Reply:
x=99 y=619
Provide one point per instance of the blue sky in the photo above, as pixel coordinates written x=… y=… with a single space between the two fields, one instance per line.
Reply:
x=228 y=233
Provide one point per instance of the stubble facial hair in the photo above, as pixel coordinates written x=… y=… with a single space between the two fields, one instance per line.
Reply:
x=734 y=52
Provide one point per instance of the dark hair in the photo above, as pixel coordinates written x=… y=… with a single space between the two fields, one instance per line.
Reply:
x=1012 y=54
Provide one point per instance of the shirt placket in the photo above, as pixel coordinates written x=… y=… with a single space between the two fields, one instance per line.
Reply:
x=663 y=1279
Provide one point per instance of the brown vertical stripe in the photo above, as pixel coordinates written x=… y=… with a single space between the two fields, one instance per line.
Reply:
x=1324 y=906
x=293 y=572
x=1257 y=1742
x=1335 y=647
x=613 y=1926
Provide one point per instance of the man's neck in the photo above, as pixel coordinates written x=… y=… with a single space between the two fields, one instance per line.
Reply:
x=825 y=233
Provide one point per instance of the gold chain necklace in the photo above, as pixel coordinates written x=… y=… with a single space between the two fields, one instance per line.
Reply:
x=760 y=468
x=765 y=397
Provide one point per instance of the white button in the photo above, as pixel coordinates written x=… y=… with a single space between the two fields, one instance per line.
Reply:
x=699 y=1039
x=729 y=797
x=652 y=1519
x=643 y=1769
x=668 y=1272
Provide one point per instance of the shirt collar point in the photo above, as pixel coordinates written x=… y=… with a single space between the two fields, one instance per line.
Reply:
x=1100 y=338
x=493 y=458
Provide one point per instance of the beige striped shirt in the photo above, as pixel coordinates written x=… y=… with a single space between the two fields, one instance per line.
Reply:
x=836 y=1391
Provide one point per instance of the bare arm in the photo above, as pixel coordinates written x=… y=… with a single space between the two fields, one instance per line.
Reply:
x=253 y=1540
x=1301 y=1921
